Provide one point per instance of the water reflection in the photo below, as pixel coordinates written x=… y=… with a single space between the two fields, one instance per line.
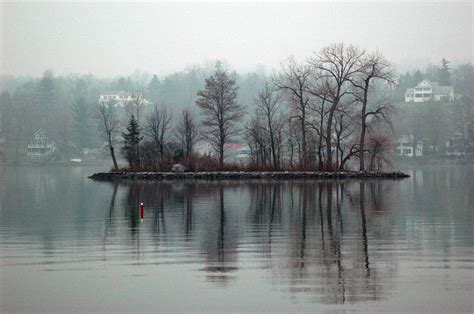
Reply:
x=311 y=237
x=327 y=257
x=326 y=242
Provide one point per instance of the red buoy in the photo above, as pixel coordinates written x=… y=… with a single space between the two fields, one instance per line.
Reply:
x=142 y=211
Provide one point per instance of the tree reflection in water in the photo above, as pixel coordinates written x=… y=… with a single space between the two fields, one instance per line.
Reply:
x=313 y=238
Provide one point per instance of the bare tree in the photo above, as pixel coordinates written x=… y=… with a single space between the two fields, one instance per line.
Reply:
x=292 y=140
x=335 y=65
x=378 y=145
x=108 y=126
x=319 y=114
x=158 y=128
x=293 y=81
x=344 y=127
x=372 y=67
x=257 y=141
x=220 y=110
x=187 y=131
x=268 y=106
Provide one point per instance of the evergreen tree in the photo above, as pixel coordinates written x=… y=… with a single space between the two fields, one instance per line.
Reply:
x=122 y=84
x=417 y=77
x=444 y=73
x=47 y=102
x=154 y=89
x=132 y=139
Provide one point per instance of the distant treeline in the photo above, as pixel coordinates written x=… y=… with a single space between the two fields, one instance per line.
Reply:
x=63 y=105
x=320 y=113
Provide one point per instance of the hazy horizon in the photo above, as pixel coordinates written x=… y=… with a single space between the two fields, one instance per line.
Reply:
x=111 y=39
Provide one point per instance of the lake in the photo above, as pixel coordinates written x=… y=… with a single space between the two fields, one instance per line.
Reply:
x=68 y=243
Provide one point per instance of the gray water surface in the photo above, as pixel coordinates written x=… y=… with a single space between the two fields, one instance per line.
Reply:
x=71 y=244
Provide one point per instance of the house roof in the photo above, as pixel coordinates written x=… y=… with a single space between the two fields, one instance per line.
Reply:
x=407 y=139
x=437 y=89
x=425 y=82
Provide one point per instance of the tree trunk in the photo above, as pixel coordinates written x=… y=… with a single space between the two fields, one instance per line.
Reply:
x=320 y=155
x=320 y=141
x=303 y=146
x=362 y=144
x=303 y=135
x=291 y=155
x=221 y=156
x=272 y=143
x=112 y=154
x=162 y=148
x=328 y=137
x=363 y=128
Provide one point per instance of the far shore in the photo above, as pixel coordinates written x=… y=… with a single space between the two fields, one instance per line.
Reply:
x=245 y=175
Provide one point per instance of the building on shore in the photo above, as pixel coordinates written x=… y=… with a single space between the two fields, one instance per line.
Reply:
x=120 y=98
x=406 y=147
x=456 y=146
x=40 y=145
x=429 y=91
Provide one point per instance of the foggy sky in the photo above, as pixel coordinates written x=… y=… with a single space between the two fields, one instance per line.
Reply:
x=118 y=38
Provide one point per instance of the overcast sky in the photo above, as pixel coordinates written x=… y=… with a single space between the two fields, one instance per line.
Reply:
x=118 y=38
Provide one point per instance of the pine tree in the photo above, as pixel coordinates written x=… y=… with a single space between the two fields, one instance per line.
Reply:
x=47 y=110
x=417 y=77
x=154 y=89
x=444 y=73
x=132 y=139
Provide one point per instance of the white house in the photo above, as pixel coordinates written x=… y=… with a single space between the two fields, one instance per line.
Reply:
x=455 y=146
x=41 y=145
x=119 y=98
x=404 y=147
x=429 y=91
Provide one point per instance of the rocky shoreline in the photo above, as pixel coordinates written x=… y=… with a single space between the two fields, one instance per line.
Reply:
x=244 y=175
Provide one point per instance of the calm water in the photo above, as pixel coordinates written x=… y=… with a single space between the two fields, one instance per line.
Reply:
x=70 y=244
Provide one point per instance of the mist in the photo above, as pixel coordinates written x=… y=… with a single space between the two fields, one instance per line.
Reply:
x=114 y=39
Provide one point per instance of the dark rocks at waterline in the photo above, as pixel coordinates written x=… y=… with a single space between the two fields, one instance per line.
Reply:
x=244 y=175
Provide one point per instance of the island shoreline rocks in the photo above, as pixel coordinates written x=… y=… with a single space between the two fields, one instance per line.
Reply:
x=245 y=175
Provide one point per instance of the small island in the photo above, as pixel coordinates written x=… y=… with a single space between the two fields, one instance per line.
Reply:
x=303 y=122
x=247 y=175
